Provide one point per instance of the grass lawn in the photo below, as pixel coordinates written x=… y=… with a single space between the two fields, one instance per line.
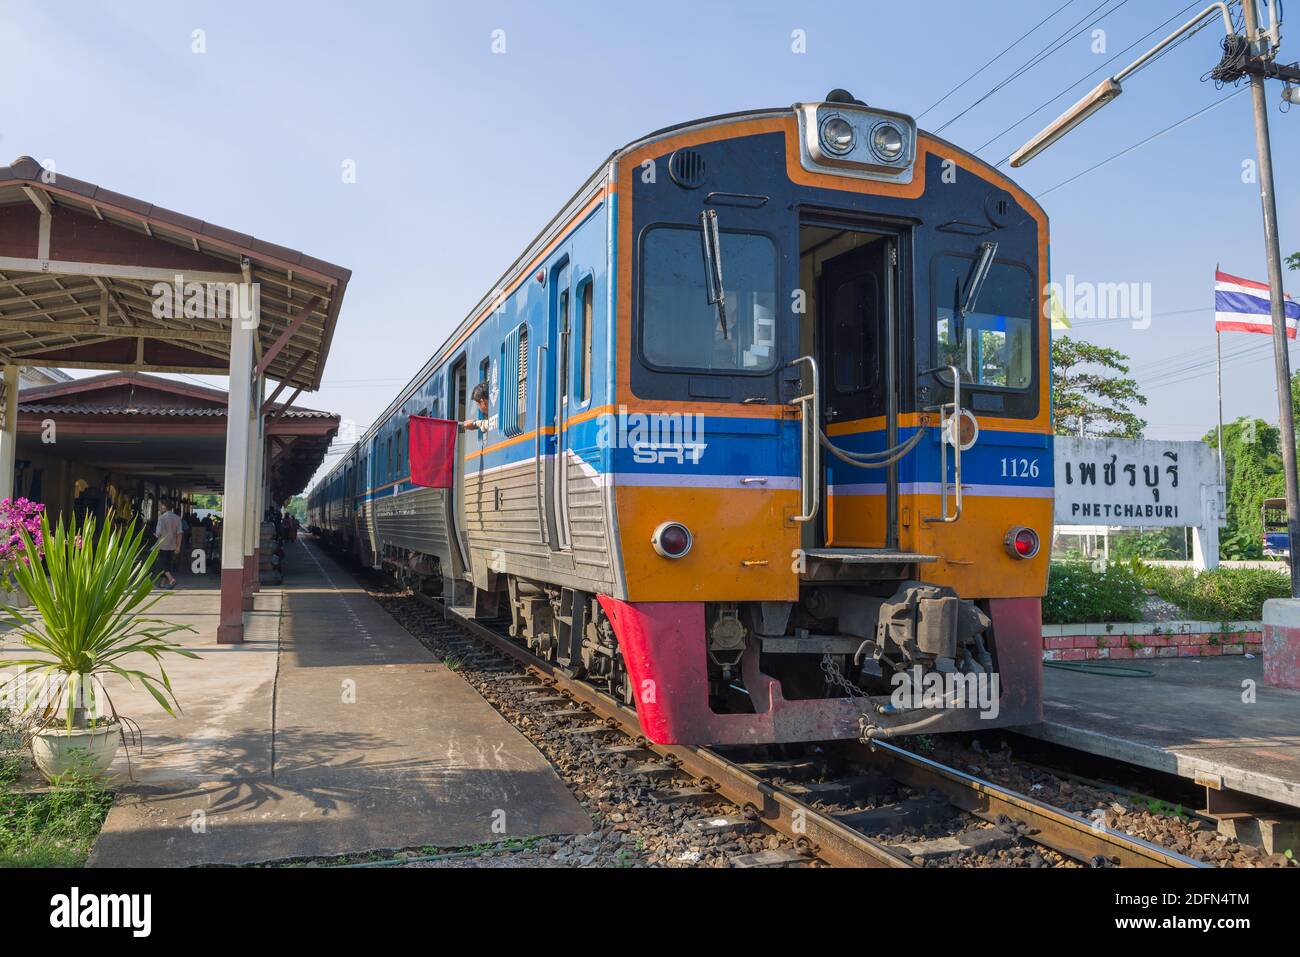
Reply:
x=45 y=826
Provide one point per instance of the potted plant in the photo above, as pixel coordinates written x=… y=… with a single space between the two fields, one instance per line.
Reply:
x=16 y=514
x=91 y=594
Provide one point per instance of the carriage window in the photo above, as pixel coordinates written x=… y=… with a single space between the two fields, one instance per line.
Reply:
x=521 y=390
x=401 y=454
x=514 y=380
x=855 y=321
x=563 y=313
x=388 y=459
x=993 y=345
x=680 y=330
x=583 y=376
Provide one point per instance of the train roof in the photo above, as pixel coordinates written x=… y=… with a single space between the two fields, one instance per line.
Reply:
x=602 y=174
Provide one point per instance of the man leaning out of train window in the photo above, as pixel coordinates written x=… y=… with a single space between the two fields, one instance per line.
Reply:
x=480 y=398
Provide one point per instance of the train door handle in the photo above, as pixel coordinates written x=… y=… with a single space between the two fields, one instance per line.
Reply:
x=810 y=450
x=949 y=421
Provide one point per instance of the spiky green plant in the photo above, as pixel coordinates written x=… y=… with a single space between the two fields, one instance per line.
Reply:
x=92 y=594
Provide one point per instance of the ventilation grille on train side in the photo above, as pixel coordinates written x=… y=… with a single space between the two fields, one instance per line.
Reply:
x=514 y=380
x=686 y=167
x=522 y=393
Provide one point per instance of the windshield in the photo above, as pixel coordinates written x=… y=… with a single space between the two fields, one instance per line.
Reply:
x=680 y=329
x=993 y=344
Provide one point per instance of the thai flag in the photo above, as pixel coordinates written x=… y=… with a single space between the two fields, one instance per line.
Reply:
x=1243 y=306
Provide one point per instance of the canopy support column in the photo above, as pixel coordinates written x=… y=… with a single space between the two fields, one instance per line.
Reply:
x=236 y=500
x=9 y=432
x=253 y=481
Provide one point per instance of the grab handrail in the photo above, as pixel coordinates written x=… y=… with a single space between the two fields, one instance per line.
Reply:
x=537 y=441
x=949 y=412
x=809 y=446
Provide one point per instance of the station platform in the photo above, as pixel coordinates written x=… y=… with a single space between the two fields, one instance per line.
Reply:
x=1192 y=717
x=330 y=731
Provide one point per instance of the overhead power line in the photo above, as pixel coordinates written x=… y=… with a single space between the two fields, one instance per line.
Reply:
x=1253 y=352
x=1083 y=79
x=1024 y=36
x=1042 y=55
x=1194 y=367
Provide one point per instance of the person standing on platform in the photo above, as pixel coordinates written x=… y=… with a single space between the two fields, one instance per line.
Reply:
x=169 y=542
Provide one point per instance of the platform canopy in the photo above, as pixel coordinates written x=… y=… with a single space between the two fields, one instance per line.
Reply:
x=93 y=279
x=80 y=268
x=162 y=431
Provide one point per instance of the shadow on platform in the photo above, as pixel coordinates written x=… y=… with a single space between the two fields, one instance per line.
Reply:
x=330 y=731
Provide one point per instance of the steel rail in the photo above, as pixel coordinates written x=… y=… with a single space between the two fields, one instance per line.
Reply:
x=814 y=832
x=821 y=835
x=1059 y=830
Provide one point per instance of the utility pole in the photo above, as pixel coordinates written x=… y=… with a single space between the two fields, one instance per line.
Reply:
x=1277 y=300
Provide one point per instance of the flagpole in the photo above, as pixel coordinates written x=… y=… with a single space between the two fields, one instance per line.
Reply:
x=1218 y=375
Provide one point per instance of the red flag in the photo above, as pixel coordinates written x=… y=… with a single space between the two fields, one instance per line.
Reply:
x=433 y=451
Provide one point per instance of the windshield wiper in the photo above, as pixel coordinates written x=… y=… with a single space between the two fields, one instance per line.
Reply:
x=976 y=281
x=713 y=265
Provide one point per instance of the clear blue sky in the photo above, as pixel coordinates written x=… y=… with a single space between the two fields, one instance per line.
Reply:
x=462 y=154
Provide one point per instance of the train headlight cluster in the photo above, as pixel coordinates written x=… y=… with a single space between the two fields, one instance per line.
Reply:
x=844 y=136
x=671 y=539
x=1021 y=542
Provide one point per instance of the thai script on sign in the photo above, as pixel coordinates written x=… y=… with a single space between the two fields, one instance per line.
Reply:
x=1131 y=481
x=1111 y=473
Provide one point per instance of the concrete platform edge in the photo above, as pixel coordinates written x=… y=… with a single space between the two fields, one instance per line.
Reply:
x=1265 y=786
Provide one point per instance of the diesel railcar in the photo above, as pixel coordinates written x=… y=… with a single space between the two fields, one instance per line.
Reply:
x=768 y=448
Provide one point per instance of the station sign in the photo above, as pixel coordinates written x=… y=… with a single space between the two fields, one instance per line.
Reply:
x=1139 y=483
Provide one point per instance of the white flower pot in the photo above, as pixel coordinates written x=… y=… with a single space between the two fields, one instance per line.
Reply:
x=90 y=750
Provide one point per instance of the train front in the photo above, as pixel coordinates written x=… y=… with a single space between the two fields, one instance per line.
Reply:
x=833 y=460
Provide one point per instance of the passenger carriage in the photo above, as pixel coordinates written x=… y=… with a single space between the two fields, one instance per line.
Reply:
x=769 y=450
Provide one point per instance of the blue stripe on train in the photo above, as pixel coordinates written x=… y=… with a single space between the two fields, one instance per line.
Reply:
x=730 y=446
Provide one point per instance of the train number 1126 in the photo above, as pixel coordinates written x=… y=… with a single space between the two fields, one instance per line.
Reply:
x=1020 y=468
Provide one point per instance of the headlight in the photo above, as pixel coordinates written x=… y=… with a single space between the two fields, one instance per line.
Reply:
x=887 y=142
x=837 y=135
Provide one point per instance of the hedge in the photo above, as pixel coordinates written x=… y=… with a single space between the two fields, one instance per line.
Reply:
x=1223 y=594
x=1099 y=592
x=1093 y=592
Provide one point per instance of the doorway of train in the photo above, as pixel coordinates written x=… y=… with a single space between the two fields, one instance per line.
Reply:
x=456 y=401
x=555 y=400
x=851 y=325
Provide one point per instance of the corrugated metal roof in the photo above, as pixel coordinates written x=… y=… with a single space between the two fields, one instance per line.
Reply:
x=144 y=395
x=40 y=408
x=54 y=305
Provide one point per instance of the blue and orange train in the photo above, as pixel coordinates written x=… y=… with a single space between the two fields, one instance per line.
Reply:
x=768 y=444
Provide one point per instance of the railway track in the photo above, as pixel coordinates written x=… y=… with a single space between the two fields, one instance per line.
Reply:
x=815 y=800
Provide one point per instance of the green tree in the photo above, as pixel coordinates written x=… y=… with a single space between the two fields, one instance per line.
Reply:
x=1091 y=391
x=297 y=507
x=1293 y=261
x=1252 y=458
